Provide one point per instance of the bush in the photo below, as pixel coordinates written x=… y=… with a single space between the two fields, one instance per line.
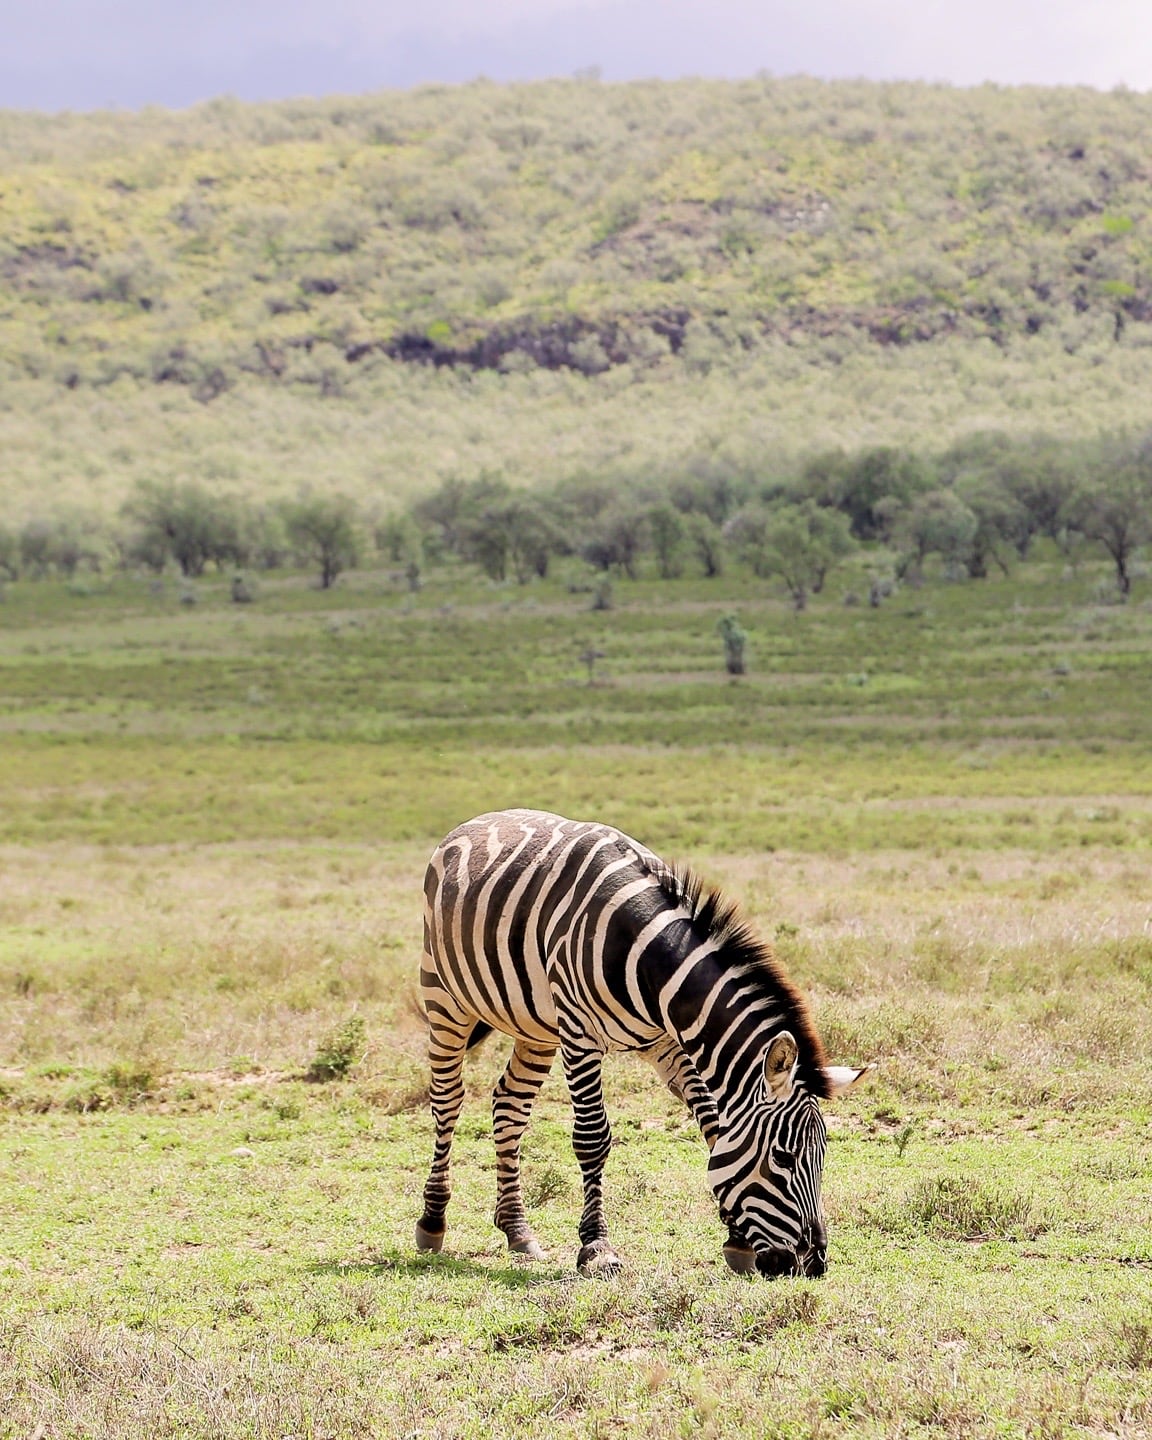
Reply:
x=337 y=1052
x=735 y=639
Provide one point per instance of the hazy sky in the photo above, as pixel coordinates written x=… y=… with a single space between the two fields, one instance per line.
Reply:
x=78 y=54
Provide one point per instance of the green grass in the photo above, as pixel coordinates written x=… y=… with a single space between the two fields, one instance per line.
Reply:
x=214 y=828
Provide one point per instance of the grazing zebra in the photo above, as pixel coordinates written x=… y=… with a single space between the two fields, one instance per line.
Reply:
x=571 y=936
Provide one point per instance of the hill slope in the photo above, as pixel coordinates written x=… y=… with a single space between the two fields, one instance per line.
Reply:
x=839 y=246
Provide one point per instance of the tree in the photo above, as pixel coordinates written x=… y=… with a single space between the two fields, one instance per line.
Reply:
x=707 y=542
x=36 y=547
x=324 y=531
x=533 y=539
x=798 y=543
x=1041 y=481
x=938 y=522
x=857 y=485
x=1000 y=519
x=9 y=554
x=1114 y=508
x=617 y=539
x=187 y=522
x=1034 y=474
x=666 y=526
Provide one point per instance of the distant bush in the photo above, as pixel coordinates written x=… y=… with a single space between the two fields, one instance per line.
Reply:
x=735 y=639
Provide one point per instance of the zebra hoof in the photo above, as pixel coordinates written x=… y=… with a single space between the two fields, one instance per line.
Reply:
x=740 y=1258
x=529 y=1249
x=429 y=1239
x=599 y=1260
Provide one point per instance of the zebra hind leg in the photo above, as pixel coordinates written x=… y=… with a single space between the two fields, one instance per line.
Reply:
x=512 y=1100
x=447 y=1041
x=591 y=1140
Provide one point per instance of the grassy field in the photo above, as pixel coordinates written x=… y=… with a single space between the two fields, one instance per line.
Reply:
x=214 y=823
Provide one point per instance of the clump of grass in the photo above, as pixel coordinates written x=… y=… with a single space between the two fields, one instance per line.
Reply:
x=963 y=1207
x=338 y=1051
x=762 y=1312
x=1135 y=1345
x=673 y=1304
x=551 y=1183
x=130 y=1079
x=360 y=1300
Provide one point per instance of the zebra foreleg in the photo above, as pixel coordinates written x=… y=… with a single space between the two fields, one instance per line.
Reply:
x=591 y=1140
x=512 y=1101
x=678 y=1072
x=675 y=1068
x=447 y=1041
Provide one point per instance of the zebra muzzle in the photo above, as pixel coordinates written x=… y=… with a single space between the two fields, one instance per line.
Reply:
x=774 y=1263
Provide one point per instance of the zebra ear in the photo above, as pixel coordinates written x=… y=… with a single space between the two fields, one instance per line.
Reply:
x=780 y=1065
x=841 y=1078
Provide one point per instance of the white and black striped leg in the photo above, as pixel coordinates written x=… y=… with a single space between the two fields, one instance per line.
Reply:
x=591 y=1140
x=678 y=1072
x=512 y=1100
x=447 y=1041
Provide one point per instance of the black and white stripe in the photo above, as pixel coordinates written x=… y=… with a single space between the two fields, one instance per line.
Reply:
x=571 y=936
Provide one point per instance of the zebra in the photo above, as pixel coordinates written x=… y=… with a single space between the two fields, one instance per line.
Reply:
x=569 y=935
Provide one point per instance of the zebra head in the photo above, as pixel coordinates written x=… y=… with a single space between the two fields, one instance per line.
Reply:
x=767 y=1165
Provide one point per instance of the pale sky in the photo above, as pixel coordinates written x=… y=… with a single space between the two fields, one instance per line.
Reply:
x=79 y=54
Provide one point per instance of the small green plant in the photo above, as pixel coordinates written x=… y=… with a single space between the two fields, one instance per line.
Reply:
x=338 y=1051
x=551 y=1183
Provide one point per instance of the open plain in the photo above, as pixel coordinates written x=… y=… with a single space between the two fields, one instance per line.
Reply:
x=213 y=1122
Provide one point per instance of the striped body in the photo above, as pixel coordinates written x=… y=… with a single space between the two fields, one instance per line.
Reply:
x=571 y=936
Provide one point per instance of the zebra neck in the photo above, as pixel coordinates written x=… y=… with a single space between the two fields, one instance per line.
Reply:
x=725 y=1019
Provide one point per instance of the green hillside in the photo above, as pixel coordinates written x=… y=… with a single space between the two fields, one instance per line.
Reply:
x=552 y=277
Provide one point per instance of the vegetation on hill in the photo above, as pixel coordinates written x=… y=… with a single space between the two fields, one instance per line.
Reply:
x=377 y=292
x=569 y=224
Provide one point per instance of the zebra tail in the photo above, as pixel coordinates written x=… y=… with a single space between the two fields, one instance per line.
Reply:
x=480 y=1032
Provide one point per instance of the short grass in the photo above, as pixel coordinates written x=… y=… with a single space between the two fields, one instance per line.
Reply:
x=213 y=835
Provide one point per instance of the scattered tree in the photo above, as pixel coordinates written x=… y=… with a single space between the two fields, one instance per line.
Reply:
x=324 y=532
x=1115 y=509
x=666 y=526
x=798 y=543
x=938 y=522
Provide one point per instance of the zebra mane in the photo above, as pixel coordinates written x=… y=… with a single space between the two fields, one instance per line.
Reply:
x=719 y=918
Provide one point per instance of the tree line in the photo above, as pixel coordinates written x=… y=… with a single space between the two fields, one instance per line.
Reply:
x=977 y=507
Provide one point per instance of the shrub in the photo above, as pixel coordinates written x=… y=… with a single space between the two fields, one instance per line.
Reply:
x=338 y=1051
x=735 y=639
